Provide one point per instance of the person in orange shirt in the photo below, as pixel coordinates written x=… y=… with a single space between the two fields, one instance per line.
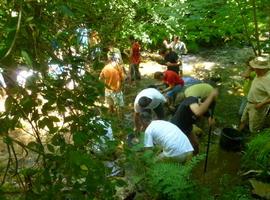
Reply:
x=113 y=76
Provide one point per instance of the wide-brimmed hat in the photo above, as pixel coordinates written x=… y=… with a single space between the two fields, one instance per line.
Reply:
x=260 y=62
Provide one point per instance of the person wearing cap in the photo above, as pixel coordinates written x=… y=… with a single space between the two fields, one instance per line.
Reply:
x=257 y=108
x=188 y=113
x=149 y=99
x=175 y=144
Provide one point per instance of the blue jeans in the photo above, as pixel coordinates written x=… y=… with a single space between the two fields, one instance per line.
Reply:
x=176 y=89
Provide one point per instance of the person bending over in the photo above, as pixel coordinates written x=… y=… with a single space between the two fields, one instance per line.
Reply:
x=188 y=113
x=174 y=143
x=174 y=82
x=147 y=100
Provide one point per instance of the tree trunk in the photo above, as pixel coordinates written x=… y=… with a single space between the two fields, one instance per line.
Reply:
x=256 y=26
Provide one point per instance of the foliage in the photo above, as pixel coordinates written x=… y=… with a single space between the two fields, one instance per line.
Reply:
x=172 y=181
x=257 y=154
x=63 y=162
x=236 y=193
x=69 y=164
x=165 y=180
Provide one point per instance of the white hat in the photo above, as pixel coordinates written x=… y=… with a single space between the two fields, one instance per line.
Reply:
x=260 y=62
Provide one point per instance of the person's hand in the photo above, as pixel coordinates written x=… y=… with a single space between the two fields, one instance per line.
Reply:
x=211 y=121
x=259 y=105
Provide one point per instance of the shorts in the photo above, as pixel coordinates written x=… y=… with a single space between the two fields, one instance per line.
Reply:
x=114 y=98
x=254 y=117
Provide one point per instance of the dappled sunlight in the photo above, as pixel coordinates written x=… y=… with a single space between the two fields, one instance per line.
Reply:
x=150 y=67
x=2 y=104
x=191 y=65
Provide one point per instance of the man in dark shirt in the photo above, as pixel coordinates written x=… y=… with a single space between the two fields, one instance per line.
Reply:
x=171 y=60
x=189 y=111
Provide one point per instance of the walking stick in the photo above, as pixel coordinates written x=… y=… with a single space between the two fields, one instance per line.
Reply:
x=208 y=142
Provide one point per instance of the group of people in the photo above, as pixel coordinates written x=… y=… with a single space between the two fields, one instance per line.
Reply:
x=175 y=133
x=199 y=101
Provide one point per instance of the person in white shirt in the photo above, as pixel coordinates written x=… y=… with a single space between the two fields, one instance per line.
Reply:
x=178 y=46
x=147 y=100
x=175 y=144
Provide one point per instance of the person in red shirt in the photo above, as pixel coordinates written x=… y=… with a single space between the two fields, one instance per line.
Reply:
x=174 y=84
x=135 y=59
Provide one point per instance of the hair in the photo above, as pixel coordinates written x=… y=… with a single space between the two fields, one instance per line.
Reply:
x=152 y=86
x=163 y=50
x=144 y=101
x=146 y=117
x=158 y=75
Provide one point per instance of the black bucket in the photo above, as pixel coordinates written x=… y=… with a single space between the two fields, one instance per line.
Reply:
x=231 y=139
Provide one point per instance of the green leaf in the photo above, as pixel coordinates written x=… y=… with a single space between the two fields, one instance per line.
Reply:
x=80 y=138
x=65 y=10
x=27 y=58
x=29 y=19
x=84 y=167
x=50 y=148
x=7 y=140
x=36 y=146
x=8 y=104
x=54 y=118
x=58 y=140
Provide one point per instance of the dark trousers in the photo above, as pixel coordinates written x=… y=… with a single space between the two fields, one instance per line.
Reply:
x=134 y=72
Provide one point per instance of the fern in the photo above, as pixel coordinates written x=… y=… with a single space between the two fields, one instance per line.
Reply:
x=172 y=180
x=257 y=155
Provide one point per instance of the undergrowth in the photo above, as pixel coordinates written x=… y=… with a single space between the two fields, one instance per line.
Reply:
x=257 y=155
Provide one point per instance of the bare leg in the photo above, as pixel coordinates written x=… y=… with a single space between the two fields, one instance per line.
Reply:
x=195 y=143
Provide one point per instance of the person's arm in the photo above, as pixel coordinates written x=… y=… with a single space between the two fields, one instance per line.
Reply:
x=167 y=89
x=173 y=64
x=199 y=110
x=259 y=105
x=185 y=48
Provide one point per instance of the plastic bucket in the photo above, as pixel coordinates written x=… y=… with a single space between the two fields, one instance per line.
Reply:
x=231 y=139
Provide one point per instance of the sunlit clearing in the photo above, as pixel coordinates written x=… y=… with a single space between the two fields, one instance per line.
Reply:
x=187 y=68
x=209 y=65
x=150 y=67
